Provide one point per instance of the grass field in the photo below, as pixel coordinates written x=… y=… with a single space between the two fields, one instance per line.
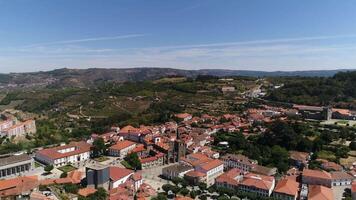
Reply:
x=101 y=159
x=67 y=168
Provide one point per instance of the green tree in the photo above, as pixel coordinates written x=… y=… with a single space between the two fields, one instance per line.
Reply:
x=71 y=188
x=202 y=186
x=99 y=147
x=184 y=191
x=134 y=161
x=48 y=168
x=64 y=175
x=353 y=145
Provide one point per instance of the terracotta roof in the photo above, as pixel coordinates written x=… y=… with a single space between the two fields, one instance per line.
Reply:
x=195 y=173
x=331 y=166
x=353 y=189
x=196 y=159
x=317 y=192
x=120 y=145
x=117 y=173
x=317 y=174
x=80 y=147
x=17 y=186
x=229 y=177
x=258 y=181
x=287 y=186
x=38 y=196
x=183 y=115
x=297 y=155
x=341 y=175
x=86 y=191
x=211 y=164
x=139 y=148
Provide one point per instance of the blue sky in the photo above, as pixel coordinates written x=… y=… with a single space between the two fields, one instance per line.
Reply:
x=186 y=34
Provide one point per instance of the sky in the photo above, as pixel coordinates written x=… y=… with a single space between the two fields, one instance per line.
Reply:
x=266 y=35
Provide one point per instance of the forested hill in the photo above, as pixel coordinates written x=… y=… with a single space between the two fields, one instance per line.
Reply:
x=89 y=77
x=339 y=90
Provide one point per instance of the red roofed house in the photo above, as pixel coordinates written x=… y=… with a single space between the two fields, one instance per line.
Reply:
x=286 y=189
x=341 y=178
x=119 y=176
x=64 y=154
x=121 y=148
x=184 y=116
x=210 y=168
x=152 y=161
x=259 y=184
x=229 y=179
x=316 y=177
x=17 y=186
x=318 y=192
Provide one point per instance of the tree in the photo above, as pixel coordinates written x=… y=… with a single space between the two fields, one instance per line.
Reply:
x=99 y=147
x=64 y=175
x=167 y=187
x=134 y=161
x=71 y=188
x=184 y=191
x=193 y=194
x=159 y=197
x=353 y=145
x=202 y=186
x=48 y=168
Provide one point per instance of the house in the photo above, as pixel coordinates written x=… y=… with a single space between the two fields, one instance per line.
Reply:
x=15 y=165
x=205 y=169
x=229 y=179
x=184 y=116
x=316 y=177
x=344 y=114
x=85 y=192
x=176 y=170
x=19 y=130
x=318 y=192
x=226 y=89
x=134 y=134
x=121 y=148
x=64 y=154
x=119 y=176
x=341 y=178
x=299 y=159
x=286 y=189
x=267 y=171
x=238 y=161
x=212 y=169
x=258 y=184
x=152 y=161
x=314 y=112
x=331 y=166
x=19 y=186
x=353 y=190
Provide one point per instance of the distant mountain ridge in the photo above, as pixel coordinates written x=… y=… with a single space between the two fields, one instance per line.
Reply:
x=88 y=77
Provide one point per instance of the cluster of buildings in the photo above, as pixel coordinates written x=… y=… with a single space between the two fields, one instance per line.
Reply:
x=12 y=128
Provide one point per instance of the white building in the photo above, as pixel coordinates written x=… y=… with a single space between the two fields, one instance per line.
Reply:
x=121 y=148
x=64 y=154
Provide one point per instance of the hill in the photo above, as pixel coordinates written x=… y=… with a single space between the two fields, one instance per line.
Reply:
x=91 y=77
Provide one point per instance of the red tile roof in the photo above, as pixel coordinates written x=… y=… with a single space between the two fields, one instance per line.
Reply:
x=52 y=153
x=195 y=174
x=317 y=192
x=287 y=186
x=16 y=186
x=229 y=177
x=86 y=191
x=211 y=164
x=258 y=181
x=317 y=174
x=117 y=173
x=120 y=145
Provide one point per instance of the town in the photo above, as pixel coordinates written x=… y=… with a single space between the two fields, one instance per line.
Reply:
x=188 y=157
